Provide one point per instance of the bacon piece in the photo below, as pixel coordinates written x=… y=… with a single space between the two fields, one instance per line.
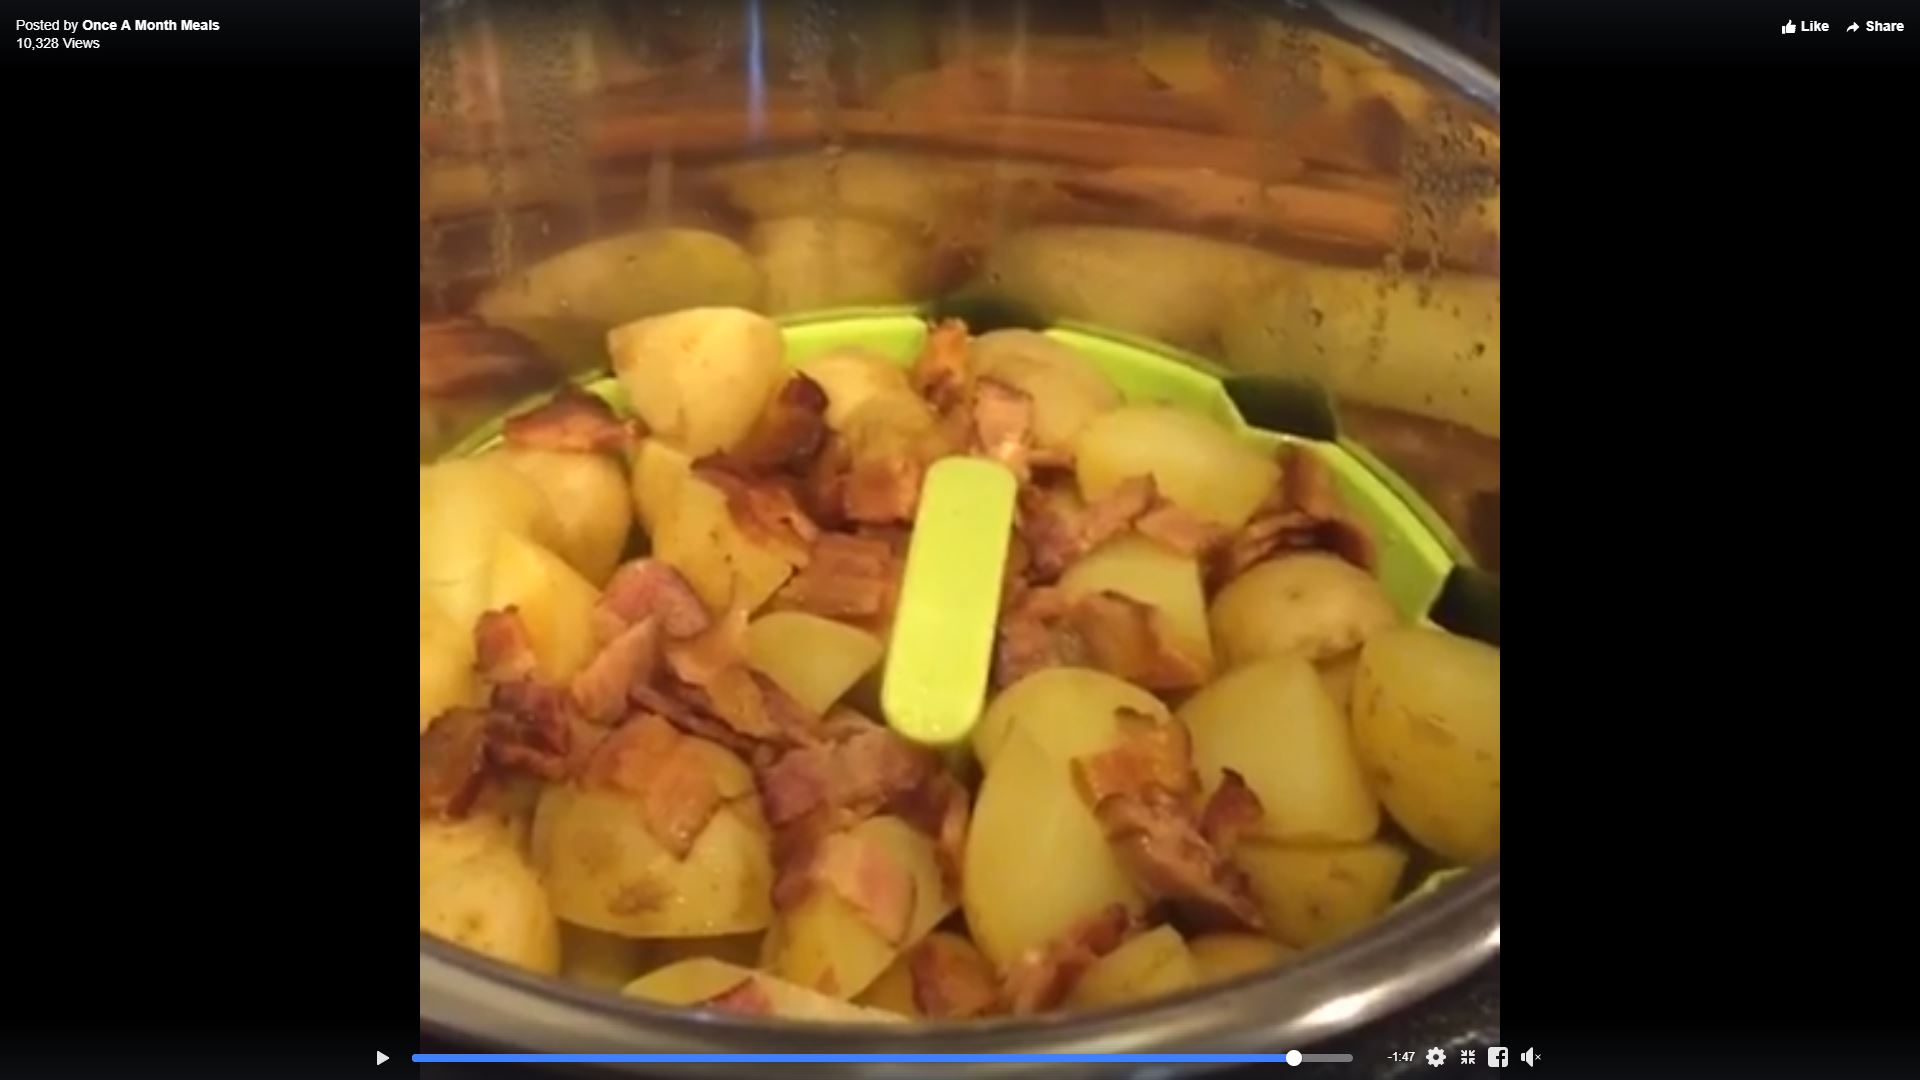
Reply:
x=1040 y=978
x=823 y=490
x=1180 y=530
x=755 y=706
x=1035 y=634
x=453 y=762
x=1127 y=638
x=1302 y=513
x=1059 y=534
x=603 y=688
x=669 y=773
x=883 y=489
x=699 y=659
x=940 y=807
x=943 y=372
x=503 y=649
x=696 y=718
x=788 y=434
x=649 y=587
x=1159 y=843
x=531 y=728
x=847 y=577
x=765 y=509
x=572 y=420
x=1151 y=752
x=864 y=873
x=749 y=998
x=951 y=979
x=1003 y=424
x=1231 y=812
x=864 y=768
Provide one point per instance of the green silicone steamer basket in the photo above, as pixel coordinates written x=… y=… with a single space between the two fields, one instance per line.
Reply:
x=1452 y=914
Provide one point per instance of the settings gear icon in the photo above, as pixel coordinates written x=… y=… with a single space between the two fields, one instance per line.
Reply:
x=1436 y=1057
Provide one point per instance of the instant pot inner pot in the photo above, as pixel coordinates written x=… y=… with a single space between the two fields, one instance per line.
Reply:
x=1281 y=221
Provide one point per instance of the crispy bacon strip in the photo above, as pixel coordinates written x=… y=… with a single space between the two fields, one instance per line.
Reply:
x=669 y=774
x=865 y=874
x=572 y=420
x=951 y=979
x=699 y=660
x=765 y=509
x=1180 y=530
x=1040 y=979
x=865 y=767
x=503 y=649
x=847 y=577
x=1058 y=534
x=1303 y=513
x=940 y=807
x=882 y=490
x=1152 y=752
x=1131 y=640
x=1231 y=812
x=453 y=762
x=649 y=588
x=464 y=357
x=1034 y=634
x=1159 y=843
x=943 y=372
x=788 y=434
x=602 y=688
x=531 y=728
x=1003 y=425
x=696 y=717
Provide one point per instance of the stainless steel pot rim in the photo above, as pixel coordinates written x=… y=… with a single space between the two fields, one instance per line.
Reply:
x=1431 y=943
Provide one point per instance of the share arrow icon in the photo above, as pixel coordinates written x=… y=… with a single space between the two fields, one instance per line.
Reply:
x=1852 y=28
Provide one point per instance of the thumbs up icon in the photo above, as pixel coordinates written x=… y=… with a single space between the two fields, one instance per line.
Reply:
x=1787 y=29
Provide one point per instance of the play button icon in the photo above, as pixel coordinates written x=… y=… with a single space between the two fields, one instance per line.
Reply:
x=379 y=1058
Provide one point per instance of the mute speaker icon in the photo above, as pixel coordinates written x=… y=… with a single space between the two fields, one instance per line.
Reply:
x=1527 y=1056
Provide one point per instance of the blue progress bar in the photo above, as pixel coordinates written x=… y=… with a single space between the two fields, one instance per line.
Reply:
x=743 y=1059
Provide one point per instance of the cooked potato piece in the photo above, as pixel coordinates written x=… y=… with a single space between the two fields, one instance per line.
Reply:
x=852 y=375
x=1153 y=964
x=699 y=378
x=1028 y=814
x=826 y=943
x=658 y=471
x=588 y=494
x=606 y=871
x=1094 y=273
x=1068 y=391
x=554 y=602
x=812 y=658
x=891 y=425
x=1311 y=604
x=821 y=262
x=1219 y=957
x=1069 y=712
x=445 y=844
x=1337 y=676
x=1165 y=580
x=622 y=278
x=957 y=966
x=603 y=961
x=913 y=190
x=697 y=536
x=492 y=903
x=1430 y=347
x=1195 y=462
x=1426 y=724
x=700 y=981
x=464 y=506
x=1314 y=895
x=446 y=663
x=1273 y=723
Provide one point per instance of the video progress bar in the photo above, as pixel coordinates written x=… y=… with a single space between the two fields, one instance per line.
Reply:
x=1291 y=1058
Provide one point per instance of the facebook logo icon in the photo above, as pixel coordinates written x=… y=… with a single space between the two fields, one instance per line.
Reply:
x=1497 y=1057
